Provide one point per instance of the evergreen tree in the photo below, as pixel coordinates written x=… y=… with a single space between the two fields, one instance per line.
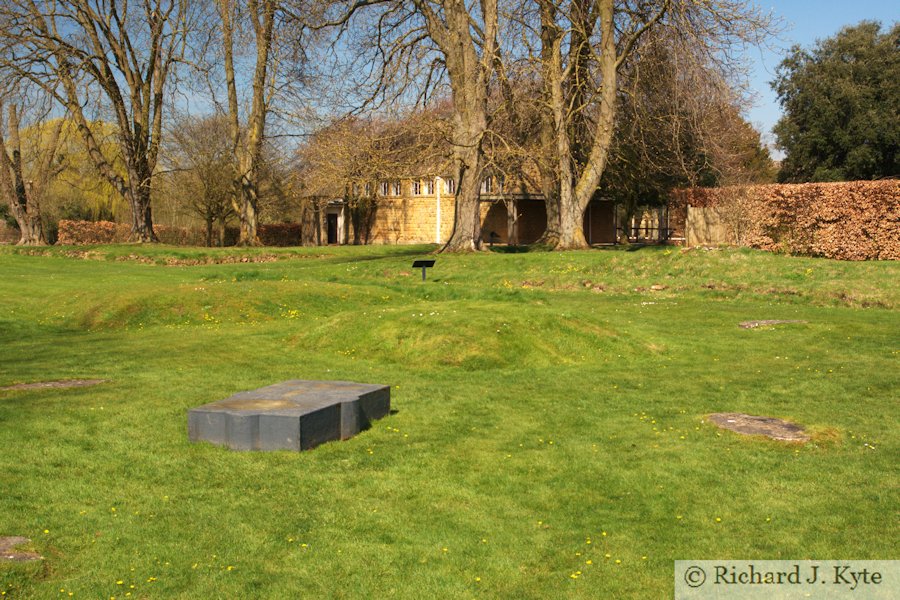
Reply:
x=841 y=102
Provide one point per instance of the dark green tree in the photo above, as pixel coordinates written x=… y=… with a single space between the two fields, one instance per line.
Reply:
x=841 y=102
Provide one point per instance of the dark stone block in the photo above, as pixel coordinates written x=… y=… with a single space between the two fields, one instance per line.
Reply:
x=292 y=415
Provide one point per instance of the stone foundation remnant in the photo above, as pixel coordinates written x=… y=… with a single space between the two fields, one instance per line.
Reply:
x=767 y=323
x=292 y=415
x=10 y=550
x=777 y=429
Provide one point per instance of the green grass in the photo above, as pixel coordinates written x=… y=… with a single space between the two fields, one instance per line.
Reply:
x=549 y=412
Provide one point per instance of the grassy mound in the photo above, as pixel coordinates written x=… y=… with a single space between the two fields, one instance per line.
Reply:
x=549 y=440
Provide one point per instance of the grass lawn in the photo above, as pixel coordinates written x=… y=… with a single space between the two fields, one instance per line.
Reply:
x=548 y=441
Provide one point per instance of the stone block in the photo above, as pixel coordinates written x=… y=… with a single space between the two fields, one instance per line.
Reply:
x=292 y=415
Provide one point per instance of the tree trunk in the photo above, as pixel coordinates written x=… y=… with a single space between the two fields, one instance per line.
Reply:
x=248 y=155
x=466 y=236
x=222 y=222
x=512 y=223
x=32 y=231
x=575 y=197
x=469 y=68
x=138 y=196
x=249 y=212
x=209 y=230
x=22 y=195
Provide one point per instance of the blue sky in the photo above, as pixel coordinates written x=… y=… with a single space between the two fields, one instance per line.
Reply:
x=805 y=21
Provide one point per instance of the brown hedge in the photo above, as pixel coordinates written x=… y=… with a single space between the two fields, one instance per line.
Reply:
x=79 y=233
x=855 y=220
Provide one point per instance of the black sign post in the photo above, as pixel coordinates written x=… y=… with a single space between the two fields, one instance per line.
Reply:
x=425 y=264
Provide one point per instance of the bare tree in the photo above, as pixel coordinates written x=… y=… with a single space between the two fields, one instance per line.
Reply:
x=678 y=124
x=584 y=46
x=421 y=45
x=199 y=153
x=247 y=144
x=24 y=180
x=113 y=56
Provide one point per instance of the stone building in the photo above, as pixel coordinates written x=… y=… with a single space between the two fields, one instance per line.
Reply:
x=421 y=210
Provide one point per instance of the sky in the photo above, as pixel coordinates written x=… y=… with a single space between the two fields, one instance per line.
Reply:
x=805 y=21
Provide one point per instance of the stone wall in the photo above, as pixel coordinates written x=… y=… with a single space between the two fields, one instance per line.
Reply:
x=856 y=220
x=411 y=220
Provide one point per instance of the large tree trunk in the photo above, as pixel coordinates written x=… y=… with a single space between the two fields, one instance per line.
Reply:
x=575 y=195
x=469 y=68
x=209 y=230
x=466 y=235
x=222 y=224
x=249 y=154
x=23 y=196
x=138 y=196
x=249 y=235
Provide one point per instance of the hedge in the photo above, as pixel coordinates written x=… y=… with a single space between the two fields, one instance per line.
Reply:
x=78 y=233
x=856 y=220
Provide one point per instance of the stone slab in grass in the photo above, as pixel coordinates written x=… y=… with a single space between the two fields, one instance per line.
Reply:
x=65 y=383
x=777 y=429
x=767 y=323
x=292 y=415
x=10 y=551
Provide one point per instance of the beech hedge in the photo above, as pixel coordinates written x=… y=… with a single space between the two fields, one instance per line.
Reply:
x=855 y=220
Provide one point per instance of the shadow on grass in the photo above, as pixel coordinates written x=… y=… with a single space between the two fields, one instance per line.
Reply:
x=517 y=249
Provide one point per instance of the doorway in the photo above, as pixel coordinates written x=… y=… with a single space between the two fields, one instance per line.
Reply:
x=331 y=226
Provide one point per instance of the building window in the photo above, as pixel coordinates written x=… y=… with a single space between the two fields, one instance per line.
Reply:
x=429 y=187
x=396 y=188
x=417 y=187
x=449 y=186
x=368 y=190
x=487 y=185
x=384 y=188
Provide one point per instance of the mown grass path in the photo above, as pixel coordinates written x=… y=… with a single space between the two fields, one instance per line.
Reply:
x=549 y=439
